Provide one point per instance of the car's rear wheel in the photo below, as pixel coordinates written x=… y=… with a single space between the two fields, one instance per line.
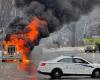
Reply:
x=96 y=73
x=56 y=74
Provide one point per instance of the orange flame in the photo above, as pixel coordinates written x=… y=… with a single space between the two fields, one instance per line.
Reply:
x=20 y=40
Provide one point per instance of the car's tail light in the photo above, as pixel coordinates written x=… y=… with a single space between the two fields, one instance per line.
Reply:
x=43 y=64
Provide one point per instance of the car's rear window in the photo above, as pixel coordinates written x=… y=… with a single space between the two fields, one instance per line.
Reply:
x=66 y=60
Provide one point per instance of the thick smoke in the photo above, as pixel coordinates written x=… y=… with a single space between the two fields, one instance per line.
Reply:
x=56 y=12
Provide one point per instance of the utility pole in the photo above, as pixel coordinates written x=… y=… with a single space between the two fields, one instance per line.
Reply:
x=14 y=9
x=72 y=29
x=73 y=34
x=1 y=17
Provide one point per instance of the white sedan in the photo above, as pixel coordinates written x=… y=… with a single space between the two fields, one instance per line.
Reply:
x=69 y=65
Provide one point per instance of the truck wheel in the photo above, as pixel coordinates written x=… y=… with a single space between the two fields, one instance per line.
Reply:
x=56 y=74
x=20 y=60
x=3 y=60
x=96 y=73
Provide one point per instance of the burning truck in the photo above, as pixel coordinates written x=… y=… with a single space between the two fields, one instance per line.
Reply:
x=18 y=44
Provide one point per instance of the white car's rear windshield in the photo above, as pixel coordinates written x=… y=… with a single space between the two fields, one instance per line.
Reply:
x=67 y=60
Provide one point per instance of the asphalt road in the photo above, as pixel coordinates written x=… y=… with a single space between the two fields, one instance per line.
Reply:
x=45 y=77
x=17 y=71
x=69 y=78
x=23 y=71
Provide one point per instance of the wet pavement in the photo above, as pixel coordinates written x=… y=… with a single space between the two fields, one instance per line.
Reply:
x=45 y=77
x=27 y=71
x=70 y=78
x=23 y=71
x=17 y=71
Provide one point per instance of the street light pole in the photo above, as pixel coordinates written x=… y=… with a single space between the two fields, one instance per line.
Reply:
x=1 y=17
x=14 y=8
x=73 y=34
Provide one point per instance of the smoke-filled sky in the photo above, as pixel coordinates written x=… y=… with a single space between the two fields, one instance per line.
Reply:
x=56 y=12
x=82 y=26
x=60 y=12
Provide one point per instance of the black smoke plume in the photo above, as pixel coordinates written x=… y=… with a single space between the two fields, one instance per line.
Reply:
x=56 y=12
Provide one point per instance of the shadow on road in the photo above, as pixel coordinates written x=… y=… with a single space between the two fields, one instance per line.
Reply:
x=71 y=78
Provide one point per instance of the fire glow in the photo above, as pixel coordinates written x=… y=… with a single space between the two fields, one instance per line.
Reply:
x=23 y=39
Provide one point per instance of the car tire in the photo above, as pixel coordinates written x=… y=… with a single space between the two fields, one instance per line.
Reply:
x=56 y=74
x=96 y=73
